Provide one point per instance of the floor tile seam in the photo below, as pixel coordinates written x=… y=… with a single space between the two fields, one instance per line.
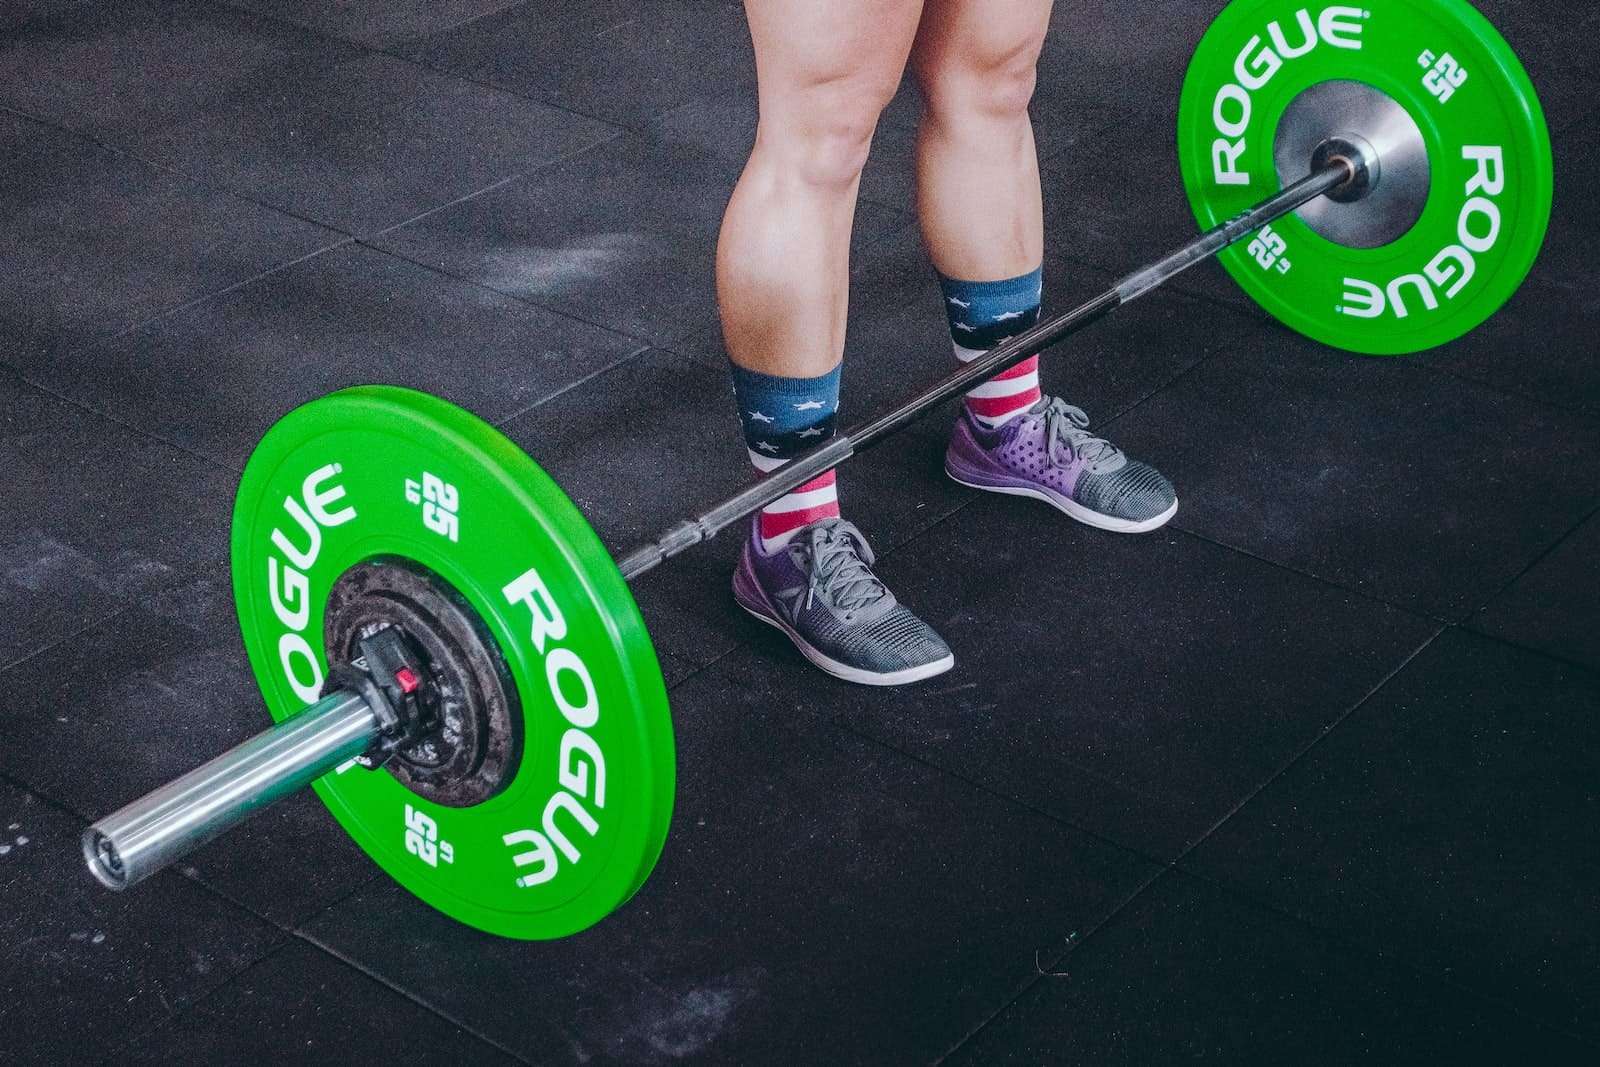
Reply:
x=1177 y=865
x=1239 y=304
x=200 y=182
x=739 y=644
x=1371 y=951
x=60 y=807
x=440 y=1013
x=174 y=310
x=1588 y=670
x=205 y=185
x=367 y=238
x=389 y=52
x=1447 y=617
x=1155 y=391
x=1311 y=746
x=289 y=927
x=549 y=308
x=204 y=182
x=1048 y=969
x=120 y=422
x=683 y=350
x=500 y=8
x=345 y=239
x=619 y=362
x=858 y=253
x=839 y=722
x=1419 y=614
x=1174 y=865
x=1549 y=550
x=99 y=622
x=1466 y=377
x=654 y=132
x=188 y=1004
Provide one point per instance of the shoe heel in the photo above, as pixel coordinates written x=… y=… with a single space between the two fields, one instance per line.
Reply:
x=747 y=592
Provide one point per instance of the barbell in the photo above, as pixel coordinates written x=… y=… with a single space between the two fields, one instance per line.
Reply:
x=456 y=665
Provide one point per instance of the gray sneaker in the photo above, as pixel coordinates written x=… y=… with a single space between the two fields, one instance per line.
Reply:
x=1049 y=453
x=819 y=589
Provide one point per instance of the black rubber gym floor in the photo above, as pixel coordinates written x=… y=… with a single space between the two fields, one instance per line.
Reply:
x=1309 y=775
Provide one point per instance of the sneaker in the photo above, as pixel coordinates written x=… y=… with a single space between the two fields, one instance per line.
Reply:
x=820 y=590
x=1048 y=452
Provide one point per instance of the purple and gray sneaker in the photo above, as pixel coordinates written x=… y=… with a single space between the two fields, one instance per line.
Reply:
x=820 y=590
x=1049 y=453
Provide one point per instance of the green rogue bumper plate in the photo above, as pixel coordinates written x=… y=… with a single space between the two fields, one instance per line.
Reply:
x=384 y=472
x=1483 y=197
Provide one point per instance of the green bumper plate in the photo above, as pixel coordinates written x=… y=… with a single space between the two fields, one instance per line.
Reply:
x=379 y=471
x=1489 y=192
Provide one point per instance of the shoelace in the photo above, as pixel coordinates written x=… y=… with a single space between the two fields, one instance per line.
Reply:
x=1067 y=436
x=839 y=562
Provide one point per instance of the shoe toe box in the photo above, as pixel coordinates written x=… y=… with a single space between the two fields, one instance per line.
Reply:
x=1137 y=492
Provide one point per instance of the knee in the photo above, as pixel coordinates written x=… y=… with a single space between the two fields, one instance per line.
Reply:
x=823 y=139
x=981 y=83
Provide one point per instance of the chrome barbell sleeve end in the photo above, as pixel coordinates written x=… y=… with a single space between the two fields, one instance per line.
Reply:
x=156 y=830
x=105 y=862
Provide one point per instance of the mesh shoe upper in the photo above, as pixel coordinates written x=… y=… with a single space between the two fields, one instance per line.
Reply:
x=1136 y=492
x=823 y=584
x=1051 y=446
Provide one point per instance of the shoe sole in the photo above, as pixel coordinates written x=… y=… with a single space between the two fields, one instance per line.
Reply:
x=1071 y=508
x=827 y=664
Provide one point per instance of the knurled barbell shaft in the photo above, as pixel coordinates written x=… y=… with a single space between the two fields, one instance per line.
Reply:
x=155 y=830
x=819 y=461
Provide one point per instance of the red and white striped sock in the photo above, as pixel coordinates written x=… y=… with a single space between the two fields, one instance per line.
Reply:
x=1006 y=395
x=786 y=516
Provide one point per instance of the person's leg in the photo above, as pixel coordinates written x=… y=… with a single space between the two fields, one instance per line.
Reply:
x=978 y=192
x=977 y=170
x=825 y=71
x=978 y=198
x=825 y=68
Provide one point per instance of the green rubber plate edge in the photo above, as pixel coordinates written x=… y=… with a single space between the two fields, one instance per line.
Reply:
x=1221 y=40
x=520 y=477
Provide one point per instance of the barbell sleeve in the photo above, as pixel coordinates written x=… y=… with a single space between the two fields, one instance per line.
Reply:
x=810 y=465
x=158 y=828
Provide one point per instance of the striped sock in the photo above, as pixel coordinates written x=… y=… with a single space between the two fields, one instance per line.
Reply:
x=983 y=314
x=783 y=417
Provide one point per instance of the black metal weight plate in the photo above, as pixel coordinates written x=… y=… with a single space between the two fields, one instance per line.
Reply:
x=1458 y=208
x=569 y=817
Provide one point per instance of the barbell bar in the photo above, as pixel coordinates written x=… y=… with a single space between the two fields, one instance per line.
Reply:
x=474 y=639
x=1338 y=171
x=158 y=829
